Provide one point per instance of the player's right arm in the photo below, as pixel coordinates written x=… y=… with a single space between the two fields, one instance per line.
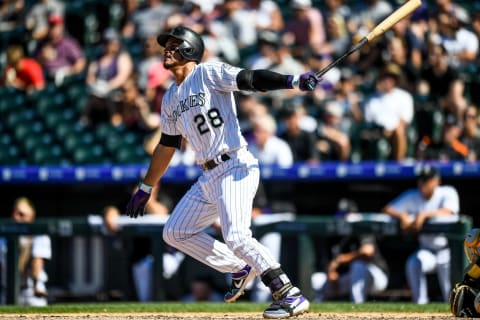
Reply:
x=158 y=164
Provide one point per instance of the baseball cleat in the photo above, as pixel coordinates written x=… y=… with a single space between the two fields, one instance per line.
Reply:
x=240 y=280
x=290 y=306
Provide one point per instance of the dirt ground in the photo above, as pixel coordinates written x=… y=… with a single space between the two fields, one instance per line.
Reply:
x=236 y=315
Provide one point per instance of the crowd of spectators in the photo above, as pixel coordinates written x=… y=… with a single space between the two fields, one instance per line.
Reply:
x=378 y=104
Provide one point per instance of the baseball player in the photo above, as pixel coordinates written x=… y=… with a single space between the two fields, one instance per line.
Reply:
x=464 y=294
x=413 y=208
x=200 y=108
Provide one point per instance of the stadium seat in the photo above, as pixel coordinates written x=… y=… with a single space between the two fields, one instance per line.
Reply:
x=47 y=155
x=9 y=154
x=130 y=155
x=30 y=143
x=89 y=154
x=25 y=129
x=16 y=117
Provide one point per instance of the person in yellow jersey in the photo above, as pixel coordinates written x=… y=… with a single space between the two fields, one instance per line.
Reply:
x=465 y=296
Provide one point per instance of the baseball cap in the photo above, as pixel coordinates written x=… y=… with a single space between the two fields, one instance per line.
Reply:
x=55 y=18
x=428 y=172
x=392 y=70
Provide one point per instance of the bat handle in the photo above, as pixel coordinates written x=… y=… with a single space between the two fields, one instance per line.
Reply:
x=354 y=48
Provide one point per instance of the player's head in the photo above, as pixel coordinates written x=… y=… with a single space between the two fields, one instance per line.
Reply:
x=471 y=244
x=428 y=178
x=188 y=43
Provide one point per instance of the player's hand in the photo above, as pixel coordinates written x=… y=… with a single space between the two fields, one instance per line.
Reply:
x=305 y=82
x=308 y=81
x=136 y=205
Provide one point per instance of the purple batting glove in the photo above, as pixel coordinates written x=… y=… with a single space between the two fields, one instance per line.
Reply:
x=136 y=205
x=306 y=81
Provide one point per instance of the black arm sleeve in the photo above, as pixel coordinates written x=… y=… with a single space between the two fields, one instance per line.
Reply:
x=261 y=80
x=171 y=141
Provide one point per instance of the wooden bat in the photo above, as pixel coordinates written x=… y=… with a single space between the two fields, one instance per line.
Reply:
x=406 y=9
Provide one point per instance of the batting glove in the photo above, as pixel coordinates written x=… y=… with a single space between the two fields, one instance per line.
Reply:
x=136 y=205
x=306 y=81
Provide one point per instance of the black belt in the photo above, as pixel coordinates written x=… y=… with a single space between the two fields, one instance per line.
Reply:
x=210 y=164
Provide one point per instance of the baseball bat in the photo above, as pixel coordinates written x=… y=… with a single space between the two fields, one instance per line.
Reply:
x=403 y=11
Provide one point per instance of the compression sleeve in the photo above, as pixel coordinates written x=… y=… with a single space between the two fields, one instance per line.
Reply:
x=262 y=80
x=171 y=141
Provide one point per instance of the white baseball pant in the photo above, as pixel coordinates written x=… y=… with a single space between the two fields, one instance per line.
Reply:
x=225 y=192
x=424 y=262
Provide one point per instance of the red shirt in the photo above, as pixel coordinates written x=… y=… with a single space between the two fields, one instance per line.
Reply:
x=30 y=74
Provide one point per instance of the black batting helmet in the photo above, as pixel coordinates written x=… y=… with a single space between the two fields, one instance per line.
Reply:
x=192 y=45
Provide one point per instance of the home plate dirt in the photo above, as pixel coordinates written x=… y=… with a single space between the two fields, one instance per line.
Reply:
x=233 y=315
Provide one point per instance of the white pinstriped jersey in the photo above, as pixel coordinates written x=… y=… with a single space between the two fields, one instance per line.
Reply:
x=202 y=110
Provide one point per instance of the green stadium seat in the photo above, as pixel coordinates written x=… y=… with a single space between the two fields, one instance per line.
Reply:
x=11 y=100
x=30 y=143
x=19 y=116
x=47 y=155
x=9 y=154
x=130 y=155
x=89 y=154
x=25 y=129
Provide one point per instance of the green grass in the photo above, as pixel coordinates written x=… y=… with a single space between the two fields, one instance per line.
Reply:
x=121 y=307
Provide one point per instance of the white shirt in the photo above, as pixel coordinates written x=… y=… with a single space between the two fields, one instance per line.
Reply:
x=464 y=41
x=275 y=152
x=412 y=202
x=388 y=109
x=202 y=109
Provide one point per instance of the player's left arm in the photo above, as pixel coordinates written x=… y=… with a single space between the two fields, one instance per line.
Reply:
x=266 y=80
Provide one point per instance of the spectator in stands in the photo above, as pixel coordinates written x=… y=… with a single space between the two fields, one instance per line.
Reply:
x=148 y=20
x=22 y=73
x=33 y=253
x=438 y=74
x=391 y=109
x=397 y=52
x=460 y=43
x=133 y=110
x=357 y=267
x=367 y=14
x=301 y=142
x=471 y=133
x=267 y=15
x=336 y=15
x=141 y=261
x=153 y=78
x=346 y=94
x=59 y=54
x=413 y=209
x=408 y=36
x=266 y=146
x=449 y=148
x=476 y=25
x=305 y=30
x=332 y=142
x=105 y=76
x=36 y=21
x=11 y=14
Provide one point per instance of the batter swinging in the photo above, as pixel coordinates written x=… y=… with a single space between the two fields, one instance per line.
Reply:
x=200 y=107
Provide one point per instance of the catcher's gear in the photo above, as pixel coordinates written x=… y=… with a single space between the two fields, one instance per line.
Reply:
x=471 y=244
x=192 y=46
x=462 y=300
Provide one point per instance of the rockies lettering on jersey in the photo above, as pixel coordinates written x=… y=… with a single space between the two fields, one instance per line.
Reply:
x=195 y=100
x=198 y=108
